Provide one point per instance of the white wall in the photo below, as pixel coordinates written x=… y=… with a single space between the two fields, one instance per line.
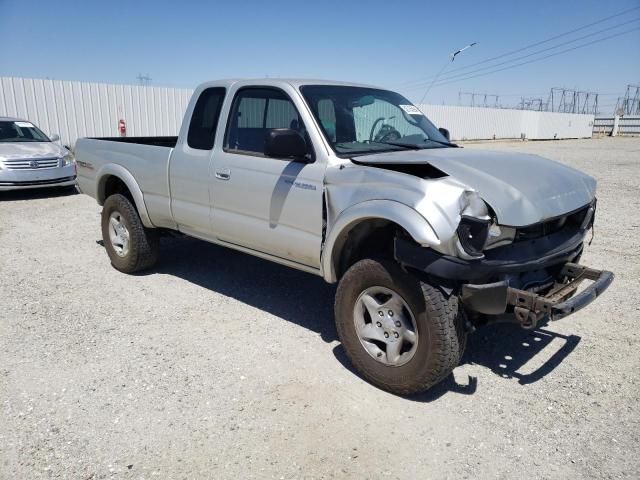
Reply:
x=79 y=109
x=475 y=123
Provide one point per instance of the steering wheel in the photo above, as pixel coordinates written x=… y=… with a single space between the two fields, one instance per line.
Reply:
x=374 y=126
x=387 y=133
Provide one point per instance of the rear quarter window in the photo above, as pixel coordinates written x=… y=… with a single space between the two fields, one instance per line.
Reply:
x=204 y=120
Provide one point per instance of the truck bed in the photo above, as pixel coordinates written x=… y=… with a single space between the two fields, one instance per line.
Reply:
x=144 y=161
x=155 y=141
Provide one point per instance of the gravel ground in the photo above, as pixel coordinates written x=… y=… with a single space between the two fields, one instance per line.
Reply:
x=220 y=365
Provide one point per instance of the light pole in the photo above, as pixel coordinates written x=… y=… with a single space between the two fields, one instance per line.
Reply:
x=452 y=57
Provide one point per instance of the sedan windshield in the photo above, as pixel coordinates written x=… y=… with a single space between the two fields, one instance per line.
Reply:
x=361 y=120
x=19 y=132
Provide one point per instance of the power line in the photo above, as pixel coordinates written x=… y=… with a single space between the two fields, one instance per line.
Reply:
x=446 y=82
x=452 y=77
x=526 y=47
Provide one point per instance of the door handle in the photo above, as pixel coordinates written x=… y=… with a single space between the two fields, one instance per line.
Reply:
x=223 y=174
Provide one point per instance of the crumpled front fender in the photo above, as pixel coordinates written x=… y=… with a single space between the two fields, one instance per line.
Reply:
x=403 y=215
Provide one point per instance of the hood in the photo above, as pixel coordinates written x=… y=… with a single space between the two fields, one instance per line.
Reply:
x=522 y=189
x=18 y=150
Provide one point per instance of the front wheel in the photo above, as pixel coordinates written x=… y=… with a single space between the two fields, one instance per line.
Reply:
x=401 y=334
x=131 y=247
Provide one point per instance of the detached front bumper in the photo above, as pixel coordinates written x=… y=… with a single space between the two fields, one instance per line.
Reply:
x=484 y=285
x=529 y=307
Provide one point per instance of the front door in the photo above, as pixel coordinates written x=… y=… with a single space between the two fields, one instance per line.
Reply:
x=266 y=204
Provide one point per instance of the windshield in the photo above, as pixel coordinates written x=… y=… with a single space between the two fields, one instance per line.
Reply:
x=361 y=120
x=17 y=132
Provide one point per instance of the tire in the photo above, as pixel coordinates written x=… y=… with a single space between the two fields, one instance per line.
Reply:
x=440 y=339
x=143 y=243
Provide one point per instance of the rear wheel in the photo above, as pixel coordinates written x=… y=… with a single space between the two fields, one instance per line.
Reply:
x=402 y=334
x=131 y=247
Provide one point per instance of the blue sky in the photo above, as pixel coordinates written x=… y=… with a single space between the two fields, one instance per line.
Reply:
x=387 y=43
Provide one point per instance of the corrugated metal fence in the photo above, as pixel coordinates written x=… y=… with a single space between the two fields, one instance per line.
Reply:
x=474 y=123
x=626 y=126
x=79 y=109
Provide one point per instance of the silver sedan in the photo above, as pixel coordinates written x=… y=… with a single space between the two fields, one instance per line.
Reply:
x=30 y=159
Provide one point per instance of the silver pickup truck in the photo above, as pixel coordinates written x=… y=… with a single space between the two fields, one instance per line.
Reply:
x=353 y=183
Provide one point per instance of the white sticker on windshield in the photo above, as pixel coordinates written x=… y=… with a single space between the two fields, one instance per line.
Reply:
x=24 y=124
x=411 y=109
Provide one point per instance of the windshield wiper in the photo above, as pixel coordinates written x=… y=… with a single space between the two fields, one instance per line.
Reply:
x=408 y=146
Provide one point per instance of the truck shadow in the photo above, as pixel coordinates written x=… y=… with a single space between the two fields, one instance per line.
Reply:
x=512 y=353
x=294 y=296
x=505 y=349
x=306 y=300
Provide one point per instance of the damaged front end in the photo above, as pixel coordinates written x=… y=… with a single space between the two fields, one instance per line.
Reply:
x=506 y=243
x=523 y=274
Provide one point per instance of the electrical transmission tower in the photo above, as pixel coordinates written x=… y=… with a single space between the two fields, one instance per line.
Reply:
x=566 y=100
x=536 y=104
x=630 y=103
x=483 y=96
x=144 y=80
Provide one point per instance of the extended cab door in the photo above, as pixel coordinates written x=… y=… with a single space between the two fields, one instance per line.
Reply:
x=190 y=165
x=270 y=205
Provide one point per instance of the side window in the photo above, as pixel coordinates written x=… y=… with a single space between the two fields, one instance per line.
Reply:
x=250 y=112
x=255 y=111
x=281 y=114
x=204 y=121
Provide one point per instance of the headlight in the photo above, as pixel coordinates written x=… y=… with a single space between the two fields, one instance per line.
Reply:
x=499 y=235
x=472 y=233
x=68 y=159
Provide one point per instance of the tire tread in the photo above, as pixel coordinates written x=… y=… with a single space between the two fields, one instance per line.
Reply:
x=144 y=242
x=443 y=313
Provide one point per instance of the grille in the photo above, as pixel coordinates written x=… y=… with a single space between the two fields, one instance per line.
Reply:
x=571 y=221
x=31 y=163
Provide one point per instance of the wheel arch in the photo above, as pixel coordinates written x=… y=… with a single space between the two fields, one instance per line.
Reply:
x=117 y=179
x=359 y=225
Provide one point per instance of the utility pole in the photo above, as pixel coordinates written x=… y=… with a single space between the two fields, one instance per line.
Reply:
x=485 y=98
x=567 y=100
x=631 y=101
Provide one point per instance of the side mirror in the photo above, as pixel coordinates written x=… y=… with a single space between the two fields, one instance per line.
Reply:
x=285 y=143
x=54 y=137
x=445 y=133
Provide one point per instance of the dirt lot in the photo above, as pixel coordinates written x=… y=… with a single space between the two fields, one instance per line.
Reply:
x=220 y=365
